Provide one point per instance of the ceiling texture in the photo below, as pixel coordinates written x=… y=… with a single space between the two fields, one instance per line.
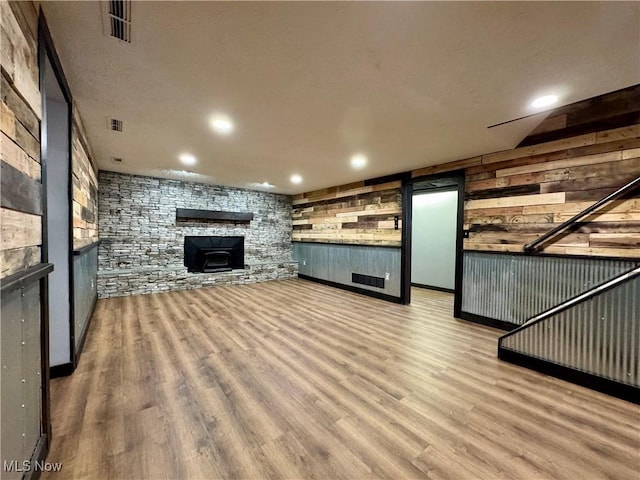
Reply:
x=310 y=84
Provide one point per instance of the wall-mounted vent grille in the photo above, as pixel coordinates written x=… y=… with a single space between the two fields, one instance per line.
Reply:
x=118 y=19
x=115 y=124
x=368 y=280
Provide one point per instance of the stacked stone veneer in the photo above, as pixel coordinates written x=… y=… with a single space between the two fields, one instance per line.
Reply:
x=142 y=243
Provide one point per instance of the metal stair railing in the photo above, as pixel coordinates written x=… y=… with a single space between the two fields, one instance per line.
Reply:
x=535 y=245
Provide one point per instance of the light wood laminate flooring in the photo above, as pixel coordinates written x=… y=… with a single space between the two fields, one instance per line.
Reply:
x=292 y=379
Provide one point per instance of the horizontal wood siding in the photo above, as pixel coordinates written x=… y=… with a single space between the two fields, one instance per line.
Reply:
x=605 y=112
x=350 y=214
x=514 y=197
x=20 y=113
x=85 y=189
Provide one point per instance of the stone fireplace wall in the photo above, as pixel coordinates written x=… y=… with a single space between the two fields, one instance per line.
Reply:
x=142 y=244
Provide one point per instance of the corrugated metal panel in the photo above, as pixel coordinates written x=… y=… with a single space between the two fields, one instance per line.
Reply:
x=600 y=336
x=12 y=389
x=20 y=396
x=336 y=263
x=514 y=288
x=85 y=272
x=31 y=365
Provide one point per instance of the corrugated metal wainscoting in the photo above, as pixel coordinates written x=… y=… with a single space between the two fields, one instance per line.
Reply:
x=336 y=263
x=21 y=393
x=513 y=288
x=599 y=336
x=85 y=293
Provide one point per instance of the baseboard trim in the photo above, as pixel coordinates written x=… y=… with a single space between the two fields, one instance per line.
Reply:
x=63 y=370
x=588 y=380
x=350 y=288
x=489 y=322
x=431 y=287
x=39 y=456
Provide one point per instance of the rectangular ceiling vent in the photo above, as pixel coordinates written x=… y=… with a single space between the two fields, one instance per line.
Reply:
x=115 y=124
x=117 y=19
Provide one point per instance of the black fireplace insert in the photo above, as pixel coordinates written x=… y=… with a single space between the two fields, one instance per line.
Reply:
x=213 y=254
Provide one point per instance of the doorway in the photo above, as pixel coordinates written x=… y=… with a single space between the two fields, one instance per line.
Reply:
x=433 y=213
x=433 y=242
x=57 y=241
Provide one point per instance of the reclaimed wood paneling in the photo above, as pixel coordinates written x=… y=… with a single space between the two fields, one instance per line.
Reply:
x=19 y=191
x=605 y=112
x=13 y=155
x=353 y=214
x=502 y=218
x=19 y=229
x=447 y=167
x=19 y=55
x=17 y=259
x=514 y=196
x=20 y=113
x=23 y=112
x=85 y=190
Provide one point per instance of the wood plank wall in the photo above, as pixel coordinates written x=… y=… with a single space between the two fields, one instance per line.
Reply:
x=85 y=189
x=350 y=214
x=514 y=196
x=605 y=112
x=21 y=110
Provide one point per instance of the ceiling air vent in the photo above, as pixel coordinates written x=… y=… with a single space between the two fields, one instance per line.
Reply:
x=117 y=19
x=116 y=160
x=115 y=124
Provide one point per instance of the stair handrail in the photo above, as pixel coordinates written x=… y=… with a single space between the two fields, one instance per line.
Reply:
x=533 y=246
x=582 y=297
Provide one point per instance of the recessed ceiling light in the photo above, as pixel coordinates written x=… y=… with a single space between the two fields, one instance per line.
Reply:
x=358 y=160
x=222 y=124
x=187 y=159
x=296 y=179
x=544 y=101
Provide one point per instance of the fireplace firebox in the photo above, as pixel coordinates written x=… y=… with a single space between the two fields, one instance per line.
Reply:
x=213 y=254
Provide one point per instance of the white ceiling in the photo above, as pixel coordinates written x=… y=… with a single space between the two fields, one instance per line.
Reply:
x=310 y=84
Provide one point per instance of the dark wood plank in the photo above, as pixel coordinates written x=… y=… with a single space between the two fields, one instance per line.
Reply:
x=529 y=189
x=589 y=183
x=212 y=215
x=604 y=112
x=599 y=125
x=27 y=141
x=87 y=215
x=19 y=191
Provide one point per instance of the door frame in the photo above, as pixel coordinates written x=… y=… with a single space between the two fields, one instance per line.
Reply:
x=47 y=50
x=458 y=177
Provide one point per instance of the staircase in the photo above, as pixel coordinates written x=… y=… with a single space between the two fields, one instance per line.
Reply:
x=592 y=339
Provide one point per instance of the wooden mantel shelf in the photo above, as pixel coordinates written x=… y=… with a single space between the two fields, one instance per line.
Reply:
x=212 y=215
